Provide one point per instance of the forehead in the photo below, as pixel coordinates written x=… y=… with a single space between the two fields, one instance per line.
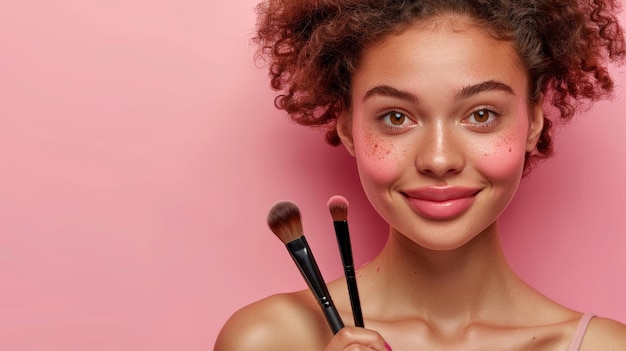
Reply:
x=450 y=48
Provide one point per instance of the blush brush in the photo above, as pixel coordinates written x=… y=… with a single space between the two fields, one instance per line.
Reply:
x=338 y=207
x=284 y=220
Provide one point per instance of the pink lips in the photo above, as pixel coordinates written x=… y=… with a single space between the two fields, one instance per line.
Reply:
x=441 y=203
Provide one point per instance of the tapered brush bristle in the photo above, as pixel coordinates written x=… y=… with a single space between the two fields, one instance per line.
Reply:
x=284 y=220
x=338 y=207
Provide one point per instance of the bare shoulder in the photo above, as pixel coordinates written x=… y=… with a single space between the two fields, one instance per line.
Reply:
x=604 y=334
x=279 y=322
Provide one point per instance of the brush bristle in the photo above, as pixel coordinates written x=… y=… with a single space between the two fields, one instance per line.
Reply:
x=338 y=207
x=284 y=220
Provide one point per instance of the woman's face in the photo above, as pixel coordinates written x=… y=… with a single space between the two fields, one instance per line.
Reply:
x=439 y=126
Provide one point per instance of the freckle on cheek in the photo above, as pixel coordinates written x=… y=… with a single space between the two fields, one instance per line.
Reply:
x=506 y=157
x=375 y=157
x=374 y=146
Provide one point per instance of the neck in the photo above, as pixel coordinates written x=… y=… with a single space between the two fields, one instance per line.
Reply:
x=455 y=286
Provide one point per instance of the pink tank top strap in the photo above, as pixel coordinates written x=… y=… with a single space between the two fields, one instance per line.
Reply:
x=579 y=334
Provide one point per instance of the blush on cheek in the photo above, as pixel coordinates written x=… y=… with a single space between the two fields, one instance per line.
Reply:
x=504 y=157
x=376 y=157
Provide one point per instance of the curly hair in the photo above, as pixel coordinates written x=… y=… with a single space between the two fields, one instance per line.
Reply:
x=313 y=47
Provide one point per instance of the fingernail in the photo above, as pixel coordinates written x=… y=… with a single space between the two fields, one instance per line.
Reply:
x=388 y=347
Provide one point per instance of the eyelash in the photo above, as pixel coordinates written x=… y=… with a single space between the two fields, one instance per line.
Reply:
x=491 y=119
x=383 y=117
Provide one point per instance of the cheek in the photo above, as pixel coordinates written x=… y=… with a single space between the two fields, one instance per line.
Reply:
x=378 y=159
x=503 y=156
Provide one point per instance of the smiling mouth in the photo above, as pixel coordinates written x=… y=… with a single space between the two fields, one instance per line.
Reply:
x=441 y=203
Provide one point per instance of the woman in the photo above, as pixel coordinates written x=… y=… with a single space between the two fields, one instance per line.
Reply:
x=445 y=105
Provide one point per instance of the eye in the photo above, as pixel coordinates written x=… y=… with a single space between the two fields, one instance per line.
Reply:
x=395 y=119
x=482 y=117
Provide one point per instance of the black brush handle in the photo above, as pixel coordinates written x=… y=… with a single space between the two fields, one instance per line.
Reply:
x=303 y=257
x=345 y=249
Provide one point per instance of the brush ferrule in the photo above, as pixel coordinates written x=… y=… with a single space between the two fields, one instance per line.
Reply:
x=343 y=240
x=303 y=257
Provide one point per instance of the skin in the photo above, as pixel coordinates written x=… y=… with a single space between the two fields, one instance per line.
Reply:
x=440 y=104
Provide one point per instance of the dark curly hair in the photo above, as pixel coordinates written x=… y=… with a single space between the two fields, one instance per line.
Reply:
x=313 y=47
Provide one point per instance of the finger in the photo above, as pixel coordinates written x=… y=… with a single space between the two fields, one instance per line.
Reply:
x=357 y=339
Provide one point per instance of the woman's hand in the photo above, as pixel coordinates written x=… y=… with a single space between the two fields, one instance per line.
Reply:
x=357 y=339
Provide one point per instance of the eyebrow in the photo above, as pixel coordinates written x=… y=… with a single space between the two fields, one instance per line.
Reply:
x=489 y=85
x=465 y=92
x=386 y=90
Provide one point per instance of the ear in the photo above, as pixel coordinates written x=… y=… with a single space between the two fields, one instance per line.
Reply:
x=536 y=126
x=344 y=130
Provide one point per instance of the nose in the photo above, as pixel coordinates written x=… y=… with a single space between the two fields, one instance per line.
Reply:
x=440 y=153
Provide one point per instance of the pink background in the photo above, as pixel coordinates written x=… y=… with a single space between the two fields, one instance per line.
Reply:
x=140 y=152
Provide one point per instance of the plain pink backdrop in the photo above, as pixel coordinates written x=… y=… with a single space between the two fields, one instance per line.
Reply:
x=140 y=152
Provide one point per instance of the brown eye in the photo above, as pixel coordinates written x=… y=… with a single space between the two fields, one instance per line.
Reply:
x=397 y=118
x=481 y=116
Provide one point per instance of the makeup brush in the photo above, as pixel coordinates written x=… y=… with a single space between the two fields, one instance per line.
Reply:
x=284 y=220
x=338 y=207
